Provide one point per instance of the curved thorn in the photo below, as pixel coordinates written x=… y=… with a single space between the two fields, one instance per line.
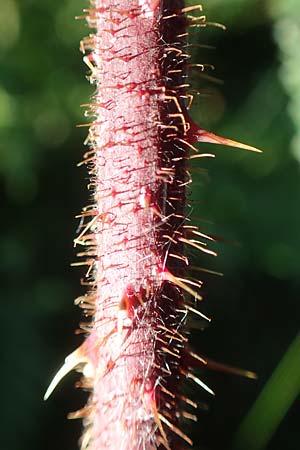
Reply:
x=71 y=361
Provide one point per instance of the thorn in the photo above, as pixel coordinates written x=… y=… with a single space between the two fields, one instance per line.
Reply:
x=157 y=418
x=198 y=233
x=217 y=25
x=197 y=283
x=175 y=429
x=189 y=416
x=213 y=365
x=204 y=269
x=197 y=381
x=200 y=135
x=202 y=155
x=172 y=332
x=191 y=8
x=80 y=413
x=166 y=350
x=167 y=276
x=180 y=257
x=86 y=228
x=71 y=362
x=188 y=144
x=198 y=358
x=195 y=244
x=198 y=313
x=166 y=391
x=188 y=401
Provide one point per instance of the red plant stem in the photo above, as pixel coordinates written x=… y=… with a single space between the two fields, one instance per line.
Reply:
x=136 y=354
x=138 y=181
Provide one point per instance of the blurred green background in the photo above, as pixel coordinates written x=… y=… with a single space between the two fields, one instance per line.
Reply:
x=250 y=201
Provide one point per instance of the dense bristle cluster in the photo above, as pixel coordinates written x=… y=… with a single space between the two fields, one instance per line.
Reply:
x=134 y=233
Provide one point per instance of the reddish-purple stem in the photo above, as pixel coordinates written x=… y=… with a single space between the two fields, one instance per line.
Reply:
x=133 y=234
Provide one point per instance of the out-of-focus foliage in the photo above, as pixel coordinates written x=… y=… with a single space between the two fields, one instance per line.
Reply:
x=250 y=201
x=273 y=402
x=287 y=35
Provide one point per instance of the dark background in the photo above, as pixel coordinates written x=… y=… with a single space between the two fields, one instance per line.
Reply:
x=250 y=201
